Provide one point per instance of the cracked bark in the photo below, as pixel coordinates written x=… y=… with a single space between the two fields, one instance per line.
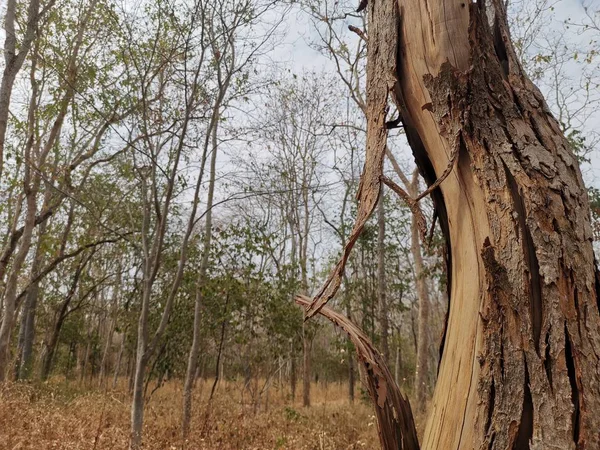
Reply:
x=523 y=327
x=521 y=349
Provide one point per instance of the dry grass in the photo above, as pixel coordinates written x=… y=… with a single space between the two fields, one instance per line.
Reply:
x=54 y=416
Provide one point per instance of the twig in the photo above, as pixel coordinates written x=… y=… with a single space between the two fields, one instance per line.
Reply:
x=358 y=31
x=412 y=204
x=451 y=161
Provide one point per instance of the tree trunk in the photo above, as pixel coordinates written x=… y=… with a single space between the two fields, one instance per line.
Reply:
x=110 y=331
x=137 y=404
x=50 y=349
x=118 y=363
x=520 y=355
x=397 y=365
x=306 y=353
x=195 y=348
x=25 y=361
x=422 y=365
x=84 y=361
x=192 y=366
x=519 y=365
x=14 y=57
x=27 y=328
x=293 y=376
x=351 y=369
x=10 y=292
x=383 y=309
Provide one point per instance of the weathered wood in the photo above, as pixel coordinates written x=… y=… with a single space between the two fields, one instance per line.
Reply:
x=521 y=354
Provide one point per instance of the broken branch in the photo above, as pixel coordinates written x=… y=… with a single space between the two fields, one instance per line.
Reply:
x=395 y=423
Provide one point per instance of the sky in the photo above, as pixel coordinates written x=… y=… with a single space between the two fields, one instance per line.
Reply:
x=294 y=53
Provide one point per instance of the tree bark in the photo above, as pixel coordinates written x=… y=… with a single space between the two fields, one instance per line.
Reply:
x=520 y=355
x=519 y=365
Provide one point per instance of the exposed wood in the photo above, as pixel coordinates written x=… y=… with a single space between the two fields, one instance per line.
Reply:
x=523 y=309
x=523 y=329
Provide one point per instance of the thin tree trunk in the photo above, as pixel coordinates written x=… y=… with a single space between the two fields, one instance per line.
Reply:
x=61 y=315
x=195 y=348
x=25 y=362
x=111 y=330
x=27 y=329
x=381 y=286
x=32 y=179
x=86 y=357
x=218 y=366
x=306 y=332
x=423 y=347
x=10 y=293
x=293 y=376
x=118 y=363
x=351 y=369
x=306 y=360
x=397 y=365
x=137 y=405
x=192 y=367
x=14 y=59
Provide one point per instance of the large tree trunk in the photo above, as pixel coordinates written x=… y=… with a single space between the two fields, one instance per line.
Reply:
x=521 y=352
x=520 y=358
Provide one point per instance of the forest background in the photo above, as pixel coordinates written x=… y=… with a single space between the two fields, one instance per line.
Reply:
x=173 y=173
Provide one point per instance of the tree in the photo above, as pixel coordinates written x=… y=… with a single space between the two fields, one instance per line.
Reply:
x=226 y=26
x=295 y=133
x=15 y=53
x=524 y=318
x=55 y=149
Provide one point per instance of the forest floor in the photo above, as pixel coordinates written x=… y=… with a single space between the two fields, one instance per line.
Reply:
x=57 y=415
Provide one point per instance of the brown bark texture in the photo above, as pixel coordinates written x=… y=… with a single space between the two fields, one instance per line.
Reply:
x=521 y=351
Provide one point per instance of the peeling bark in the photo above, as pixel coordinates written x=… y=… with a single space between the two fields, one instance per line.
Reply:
x=523 y=328
x=523 y=311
